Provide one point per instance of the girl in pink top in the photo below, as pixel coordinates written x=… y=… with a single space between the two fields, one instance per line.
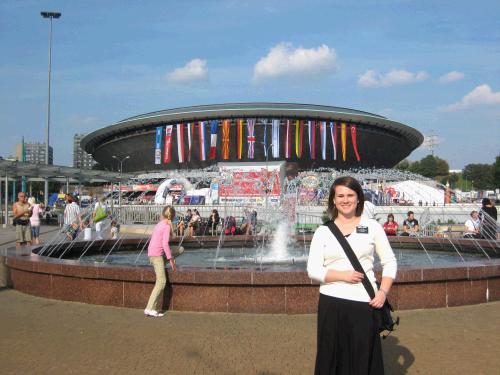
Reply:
x=158 y=246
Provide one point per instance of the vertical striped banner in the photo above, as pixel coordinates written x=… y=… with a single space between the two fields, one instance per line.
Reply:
x=311 y=130
x=299 y=137
x=159 y=134
x=201 y=140
x=214 y=127
x=180 y=142
x=333 y=134
x=343 y=138
x=322 y=133
x=226 y=126
x=251 y=137
x=264 y=143
x=167 y=154
x=276 y=138
x=190 y=127
x=288 y=139
x=239 y=139
x=354 y=142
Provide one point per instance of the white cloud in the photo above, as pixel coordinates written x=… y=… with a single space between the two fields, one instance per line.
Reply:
x=481 y=95
x=285 y=60
x=395 y=77
x=451 y=77
x=195 y=70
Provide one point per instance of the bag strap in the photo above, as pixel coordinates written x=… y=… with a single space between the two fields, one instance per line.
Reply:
x=351 y=256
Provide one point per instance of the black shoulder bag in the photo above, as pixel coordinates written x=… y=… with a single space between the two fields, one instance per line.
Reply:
x=383 y=316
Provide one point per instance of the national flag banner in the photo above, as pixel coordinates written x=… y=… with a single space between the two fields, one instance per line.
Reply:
x=159 y=133
x=288 y=139
x=251 y=137
x=276 y=138
x=226 y=126
x=311 y=131
x=322 y=134
x=239 y=138
x=214 y=127
x=190 y=127
x=264 y=143
x=180 y=142
x=343 y=139
x=167 y=154
x=299 y=137
x=333 y=134
x=201 y=140
x=354 y=142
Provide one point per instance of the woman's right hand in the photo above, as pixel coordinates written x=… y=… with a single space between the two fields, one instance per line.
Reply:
x=172 y=264
x=352 y=277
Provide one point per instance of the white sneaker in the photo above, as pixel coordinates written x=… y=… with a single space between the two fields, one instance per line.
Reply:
x=153 y=313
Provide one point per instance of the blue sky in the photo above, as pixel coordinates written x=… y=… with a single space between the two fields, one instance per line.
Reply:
x=432 y=65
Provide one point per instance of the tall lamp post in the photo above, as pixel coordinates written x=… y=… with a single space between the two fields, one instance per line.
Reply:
x=120 y=160
x=50 y=16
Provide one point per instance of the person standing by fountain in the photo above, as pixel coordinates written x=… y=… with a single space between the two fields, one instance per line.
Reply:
x=348 y=341
x=157 y=247
x=20 y=215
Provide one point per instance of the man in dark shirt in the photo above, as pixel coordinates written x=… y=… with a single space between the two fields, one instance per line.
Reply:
x=410 y=225
x=489 y=216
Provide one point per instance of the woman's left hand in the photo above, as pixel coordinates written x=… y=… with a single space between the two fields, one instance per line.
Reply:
x=378 y=301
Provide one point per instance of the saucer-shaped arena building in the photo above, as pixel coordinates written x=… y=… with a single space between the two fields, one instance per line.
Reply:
x=311 y=136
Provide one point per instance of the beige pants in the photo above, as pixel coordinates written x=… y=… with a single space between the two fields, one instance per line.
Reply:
x=161 y=281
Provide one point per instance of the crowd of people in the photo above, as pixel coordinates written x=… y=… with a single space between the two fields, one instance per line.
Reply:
x=481 y=224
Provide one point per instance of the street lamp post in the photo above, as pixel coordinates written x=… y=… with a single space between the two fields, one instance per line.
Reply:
x=120 y=160
x=50 y=16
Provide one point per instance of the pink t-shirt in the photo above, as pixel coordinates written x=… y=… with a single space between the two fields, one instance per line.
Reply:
x=159 y=240
x=35 y=216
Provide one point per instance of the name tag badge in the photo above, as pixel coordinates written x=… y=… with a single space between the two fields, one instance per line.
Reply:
x=362 y=229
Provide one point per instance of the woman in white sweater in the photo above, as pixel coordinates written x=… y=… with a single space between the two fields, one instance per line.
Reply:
x=348 y=341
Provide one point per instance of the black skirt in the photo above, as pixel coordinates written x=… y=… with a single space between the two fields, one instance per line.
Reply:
x=348 y=342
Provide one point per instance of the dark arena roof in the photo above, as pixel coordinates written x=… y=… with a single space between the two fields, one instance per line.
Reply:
x=310 y=135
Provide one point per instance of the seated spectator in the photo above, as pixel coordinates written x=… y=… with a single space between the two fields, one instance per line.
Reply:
x=72 y=231
x=249 y=222
x=390 y=226
x=489 y=216
x=115 y=229
x=213 y=220
x=410 y=225
x=87 y=230
x=184 y=222
x=194 y=223
x=230 y=225
x=473 y=226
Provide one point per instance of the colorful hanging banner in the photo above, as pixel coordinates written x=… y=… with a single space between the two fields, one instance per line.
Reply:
x=190 y=129
x=167 y=154
x=276 y=138
x=343 y=139
x=322 y=134
x=180 y=142
x=239 y=138
x=288 y=139
x=354 y=142
x=251 y=137
x=333 y=134
x=201 y=140
x=159 y=132
x=264 y=121
x=214 y=127
x=311 y=131
x=226 y=126
x=299 y=137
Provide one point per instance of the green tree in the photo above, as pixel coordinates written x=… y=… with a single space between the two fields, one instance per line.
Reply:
x=481 y=174
x=442 y=167
x=428 y=166
x=403 y=165
x=496 y=172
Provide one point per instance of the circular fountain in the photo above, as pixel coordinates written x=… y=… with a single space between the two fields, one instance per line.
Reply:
x=262 y=273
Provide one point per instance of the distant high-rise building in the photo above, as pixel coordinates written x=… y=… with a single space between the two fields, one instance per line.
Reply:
x=34 y=152
x=80 y=158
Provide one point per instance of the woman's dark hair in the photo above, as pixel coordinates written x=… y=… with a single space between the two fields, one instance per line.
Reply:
x=388 y=216
x=352 y=184
x=486 y=201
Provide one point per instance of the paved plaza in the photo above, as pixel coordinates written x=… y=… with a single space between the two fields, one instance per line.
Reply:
x=42 y=336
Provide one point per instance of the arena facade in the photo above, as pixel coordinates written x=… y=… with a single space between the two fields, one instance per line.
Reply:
x=310 y=136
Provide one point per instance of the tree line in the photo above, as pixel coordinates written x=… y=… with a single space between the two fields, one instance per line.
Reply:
x=473 y=176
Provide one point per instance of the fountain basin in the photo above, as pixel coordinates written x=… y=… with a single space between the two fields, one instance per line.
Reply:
x=246 y=290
